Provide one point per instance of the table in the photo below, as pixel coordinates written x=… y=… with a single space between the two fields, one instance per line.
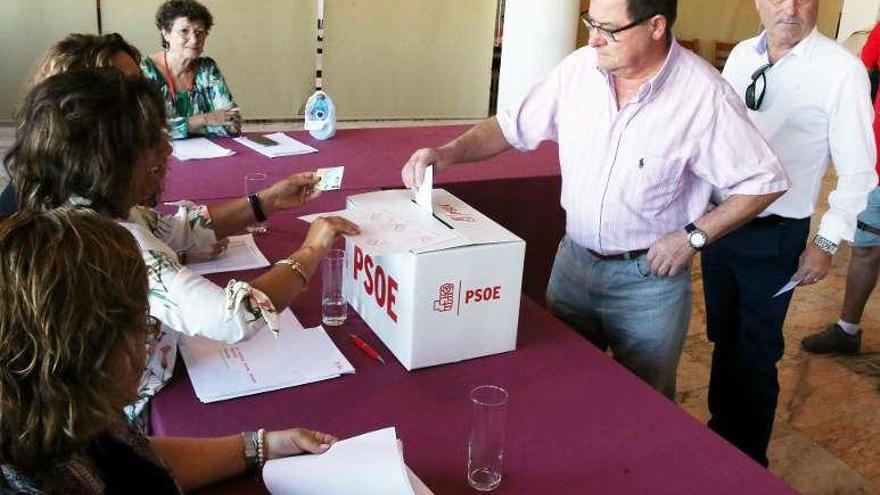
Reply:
x=518 y=190
x=578 y=422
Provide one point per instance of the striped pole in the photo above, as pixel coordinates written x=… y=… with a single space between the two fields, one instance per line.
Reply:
x=319 y=54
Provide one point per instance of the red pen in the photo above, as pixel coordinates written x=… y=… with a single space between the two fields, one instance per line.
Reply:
x=369 y=351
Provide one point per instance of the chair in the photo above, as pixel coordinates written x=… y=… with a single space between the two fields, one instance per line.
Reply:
x=692 y=45
x=722 y=51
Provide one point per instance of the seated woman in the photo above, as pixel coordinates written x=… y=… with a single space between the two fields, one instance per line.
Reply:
x=73 y=322
x=116 y=124
x=197 y=98
x=79 y=51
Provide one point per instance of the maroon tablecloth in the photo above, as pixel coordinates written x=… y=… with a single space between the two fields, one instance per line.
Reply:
x=578 y=422
x=372 y=158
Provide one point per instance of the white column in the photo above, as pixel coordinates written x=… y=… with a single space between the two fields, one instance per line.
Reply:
x=538 y=34
x=857 y=15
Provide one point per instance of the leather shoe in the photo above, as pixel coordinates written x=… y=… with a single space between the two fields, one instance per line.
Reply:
x=832 y=340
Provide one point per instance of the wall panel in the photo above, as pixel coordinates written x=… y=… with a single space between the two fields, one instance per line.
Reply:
x=265 y=49
x=27 y=29
x=390 y=59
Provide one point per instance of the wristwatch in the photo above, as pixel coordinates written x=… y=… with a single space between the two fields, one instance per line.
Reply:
x=826 y=245
x=251 y=450
x=696 y=238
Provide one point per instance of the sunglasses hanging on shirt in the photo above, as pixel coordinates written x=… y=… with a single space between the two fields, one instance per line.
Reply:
x=752 y=102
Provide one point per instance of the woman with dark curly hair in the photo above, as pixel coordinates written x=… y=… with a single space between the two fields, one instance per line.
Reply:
x=73 y=322
x=96 y=138
x=197 y=98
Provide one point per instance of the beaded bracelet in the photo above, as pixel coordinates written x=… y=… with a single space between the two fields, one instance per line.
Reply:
x=261 y=448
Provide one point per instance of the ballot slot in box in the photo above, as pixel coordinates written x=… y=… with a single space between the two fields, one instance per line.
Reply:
x=452 y=300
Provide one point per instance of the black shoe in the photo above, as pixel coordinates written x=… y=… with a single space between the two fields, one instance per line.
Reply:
x=832 y=340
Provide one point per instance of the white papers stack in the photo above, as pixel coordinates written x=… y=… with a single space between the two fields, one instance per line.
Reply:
x=367 y=464
x=198 y=148
x=241 y=253
x=298 y=356
x=385 y=231
x=286 y=146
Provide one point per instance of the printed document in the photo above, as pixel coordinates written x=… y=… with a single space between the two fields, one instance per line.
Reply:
x=241 y=253
x=220 y=371
x=385 y=230
x=198 y=148
x=286 y=146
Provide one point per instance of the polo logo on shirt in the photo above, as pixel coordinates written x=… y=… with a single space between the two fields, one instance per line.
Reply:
x=641 y=163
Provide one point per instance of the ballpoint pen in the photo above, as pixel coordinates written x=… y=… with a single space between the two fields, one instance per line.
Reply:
x=369 y=351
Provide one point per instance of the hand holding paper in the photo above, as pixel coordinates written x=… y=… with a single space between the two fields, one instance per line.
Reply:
x=296 y=441
x=794 y=282
x=371 y=463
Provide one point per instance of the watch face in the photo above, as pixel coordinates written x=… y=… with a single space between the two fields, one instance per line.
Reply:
x=697 y=239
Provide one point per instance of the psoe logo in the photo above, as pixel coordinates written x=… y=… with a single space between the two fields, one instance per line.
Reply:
x=446 y=299
x=457 y=215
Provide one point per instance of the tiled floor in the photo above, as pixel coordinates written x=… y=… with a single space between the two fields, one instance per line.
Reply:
x=827 y=435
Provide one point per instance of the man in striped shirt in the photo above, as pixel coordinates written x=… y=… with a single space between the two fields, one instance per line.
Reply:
x=646 y=130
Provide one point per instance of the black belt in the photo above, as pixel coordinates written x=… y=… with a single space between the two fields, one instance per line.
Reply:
x=867 y=228
x=629 y=255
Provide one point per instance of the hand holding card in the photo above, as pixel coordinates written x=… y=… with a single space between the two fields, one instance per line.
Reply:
x=331 y=178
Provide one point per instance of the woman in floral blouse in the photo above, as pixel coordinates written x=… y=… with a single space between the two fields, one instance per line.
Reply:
x=197 y=98
x=115 y=124
x=73 y=321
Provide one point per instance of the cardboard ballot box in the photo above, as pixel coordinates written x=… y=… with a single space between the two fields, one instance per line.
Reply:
x=440 y=303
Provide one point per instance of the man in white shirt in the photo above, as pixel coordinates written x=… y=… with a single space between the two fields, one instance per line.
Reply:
x=810 y=100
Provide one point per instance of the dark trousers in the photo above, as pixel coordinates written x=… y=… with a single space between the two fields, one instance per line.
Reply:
x=741 y=272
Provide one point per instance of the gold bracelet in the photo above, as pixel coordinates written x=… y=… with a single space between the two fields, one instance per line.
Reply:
x=297 y=268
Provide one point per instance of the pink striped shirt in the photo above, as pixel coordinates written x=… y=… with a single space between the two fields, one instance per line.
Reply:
x=632 y=175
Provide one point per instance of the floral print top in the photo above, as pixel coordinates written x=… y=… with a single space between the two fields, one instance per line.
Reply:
x=209 y=92
x=184 y=301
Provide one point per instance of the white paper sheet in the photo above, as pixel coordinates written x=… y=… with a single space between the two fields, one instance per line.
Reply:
x=286 y=146
x=198 y=148
x=385 y=231
x=369 y=464
x=241 y=253
x=424 y=197
x=787 y=287
x=220 y=371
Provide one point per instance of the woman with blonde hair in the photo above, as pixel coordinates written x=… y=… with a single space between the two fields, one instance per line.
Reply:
x=73 y=322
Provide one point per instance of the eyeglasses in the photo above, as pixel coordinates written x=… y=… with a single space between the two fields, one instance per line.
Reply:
x=797 y=2
x=752 y=102
x=186 y=32
x=609 y=34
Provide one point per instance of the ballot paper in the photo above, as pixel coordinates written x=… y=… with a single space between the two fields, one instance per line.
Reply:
x=387 y=230
x=241 y=253
x=286 y=146
x=220 y=371
x=331 y=178
x=787 y=287
x=369 y=464
x=198 y=148
x=424 y=192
